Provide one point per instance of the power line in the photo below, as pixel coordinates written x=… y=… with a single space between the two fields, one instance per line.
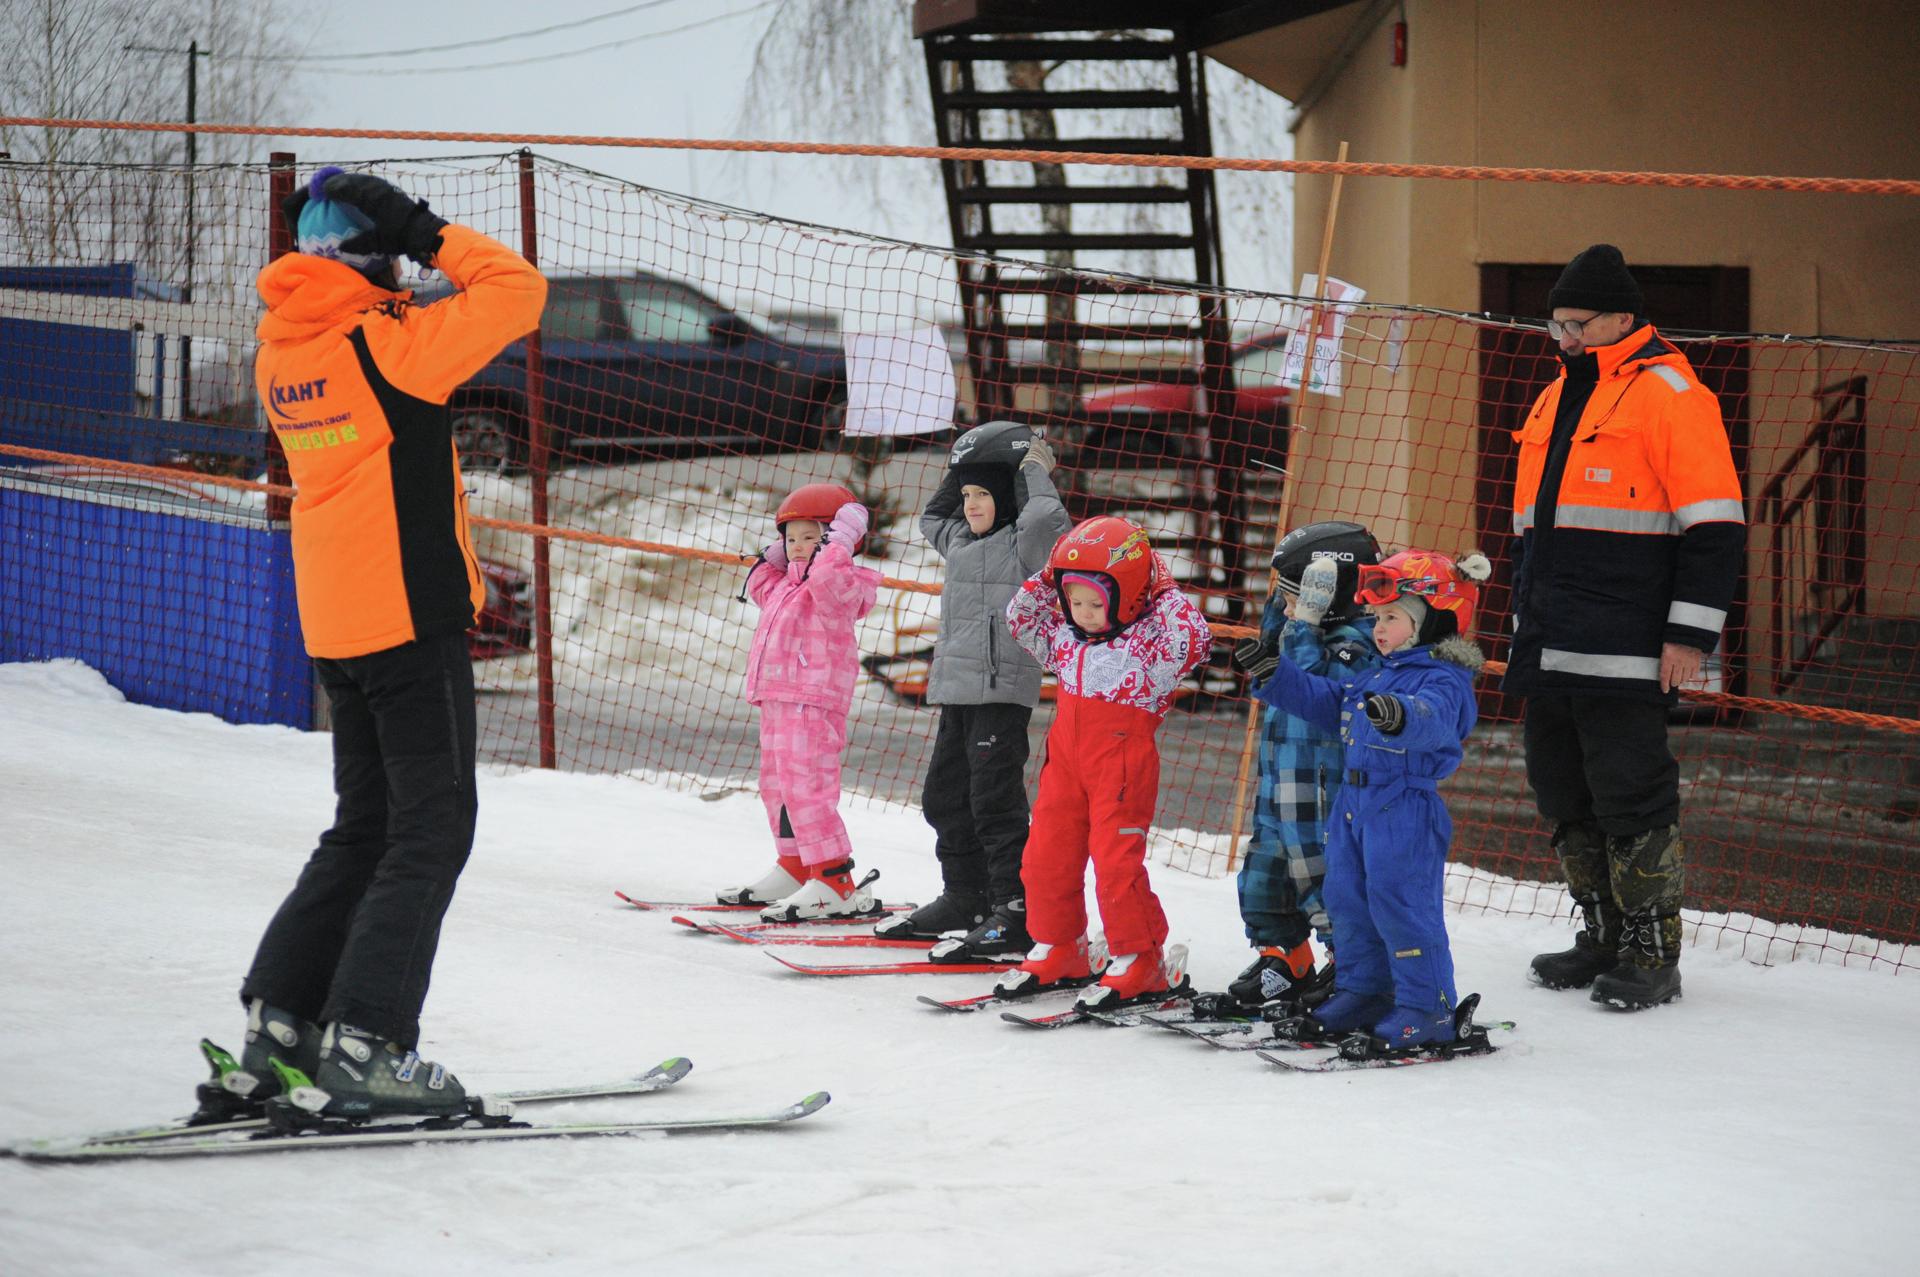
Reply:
x=448 y=48
x=571 y=53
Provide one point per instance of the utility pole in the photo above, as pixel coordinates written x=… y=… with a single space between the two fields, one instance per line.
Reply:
x=194 y=53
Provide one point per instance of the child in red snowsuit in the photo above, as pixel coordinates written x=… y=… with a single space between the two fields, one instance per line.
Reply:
x=1107 y=619
x=800 y=673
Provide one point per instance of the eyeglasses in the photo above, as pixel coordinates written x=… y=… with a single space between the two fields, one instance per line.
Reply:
x=1557 y=329
x=1381 y=586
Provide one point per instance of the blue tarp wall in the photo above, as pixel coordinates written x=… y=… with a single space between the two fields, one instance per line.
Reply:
x=179 y=610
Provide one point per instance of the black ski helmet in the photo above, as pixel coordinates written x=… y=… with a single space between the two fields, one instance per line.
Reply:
x=994 y=443
x=1348 y=544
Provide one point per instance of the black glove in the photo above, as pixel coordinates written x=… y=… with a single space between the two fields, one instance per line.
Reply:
x=1386 y=713
x=400 y=225
x=1257 y=657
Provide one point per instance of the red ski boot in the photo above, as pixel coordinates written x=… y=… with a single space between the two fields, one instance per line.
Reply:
x=1139 y=977
x=1051 y=966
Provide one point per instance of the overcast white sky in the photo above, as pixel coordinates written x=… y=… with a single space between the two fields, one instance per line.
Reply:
x=689 y=84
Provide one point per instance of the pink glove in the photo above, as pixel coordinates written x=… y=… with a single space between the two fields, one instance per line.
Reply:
x=849 y=525
x=776 y=554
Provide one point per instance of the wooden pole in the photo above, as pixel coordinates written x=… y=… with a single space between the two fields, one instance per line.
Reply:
x=1289 y=488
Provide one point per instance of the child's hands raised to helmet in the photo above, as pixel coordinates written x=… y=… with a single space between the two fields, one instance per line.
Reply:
x=849 y=525
x=1039 y=454
x=1316 y=591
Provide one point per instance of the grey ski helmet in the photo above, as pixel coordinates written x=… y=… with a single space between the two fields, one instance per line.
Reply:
x=1349 y=544
x=994 y=443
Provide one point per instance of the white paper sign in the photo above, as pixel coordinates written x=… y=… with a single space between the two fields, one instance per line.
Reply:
x=899 y=384
x=1326 y=378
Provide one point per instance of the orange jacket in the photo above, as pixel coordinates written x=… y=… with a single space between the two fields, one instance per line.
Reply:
x=1631 y=532
x=355 y=380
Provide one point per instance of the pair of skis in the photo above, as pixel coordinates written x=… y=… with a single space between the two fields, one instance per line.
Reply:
x=780 y=934
x=490 y=1118
x=1349 y=1054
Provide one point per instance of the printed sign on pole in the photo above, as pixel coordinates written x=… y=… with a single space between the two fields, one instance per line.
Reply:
x=1325 y=375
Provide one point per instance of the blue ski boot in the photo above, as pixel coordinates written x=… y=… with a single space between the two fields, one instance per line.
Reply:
x=1341 y=1014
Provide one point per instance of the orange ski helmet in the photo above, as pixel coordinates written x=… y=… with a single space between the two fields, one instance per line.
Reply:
x=1111 y=548
x=1435 y=579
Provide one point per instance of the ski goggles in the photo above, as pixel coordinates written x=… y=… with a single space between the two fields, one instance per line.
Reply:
x=1382 y=585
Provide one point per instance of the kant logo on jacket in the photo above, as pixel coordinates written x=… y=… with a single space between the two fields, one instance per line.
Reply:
x=282 y=399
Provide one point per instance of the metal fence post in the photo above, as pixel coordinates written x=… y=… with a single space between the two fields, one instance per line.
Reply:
x=537 y=460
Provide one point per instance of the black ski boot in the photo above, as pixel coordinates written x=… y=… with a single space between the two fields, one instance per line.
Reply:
x=1595 y=949
x=1648 y=973
x=950 y=911
x=361 y=1076
x=239 y=1087
x=1002 y=936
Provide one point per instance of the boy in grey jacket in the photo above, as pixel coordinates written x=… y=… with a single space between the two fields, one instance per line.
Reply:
x=994 y=520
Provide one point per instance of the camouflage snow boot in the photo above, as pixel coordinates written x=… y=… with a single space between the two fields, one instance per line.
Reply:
x=1649 y=970
x=1648 y=872
x=1583 y=857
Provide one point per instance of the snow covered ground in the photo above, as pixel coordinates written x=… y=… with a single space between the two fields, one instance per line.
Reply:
x=1767 y=1124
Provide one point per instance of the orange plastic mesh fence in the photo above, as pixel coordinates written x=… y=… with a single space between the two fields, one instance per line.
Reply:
x=694 y=367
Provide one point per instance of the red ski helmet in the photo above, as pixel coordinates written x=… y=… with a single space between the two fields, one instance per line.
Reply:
x=1108 y=547
x=816 y=501
x=1439 y=582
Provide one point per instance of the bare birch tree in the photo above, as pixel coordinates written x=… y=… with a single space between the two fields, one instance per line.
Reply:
x=70 y=196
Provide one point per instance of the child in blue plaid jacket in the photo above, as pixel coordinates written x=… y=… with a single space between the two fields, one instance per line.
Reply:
x=1285 y=865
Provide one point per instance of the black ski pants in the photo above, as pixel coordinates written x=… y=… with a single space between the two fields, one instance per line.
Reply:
x=975 y=798
x=1603 y=760
x=355 y=940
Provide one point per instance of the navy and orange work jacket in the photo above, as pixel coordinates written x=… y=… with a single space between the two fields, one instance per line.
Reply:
x=1636 y=539
x=355 y=379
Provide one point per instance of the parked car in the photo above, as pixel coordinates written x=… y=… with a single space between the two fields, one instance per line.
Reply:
x=505 y=624
x=1151 y=418
x=641 y=365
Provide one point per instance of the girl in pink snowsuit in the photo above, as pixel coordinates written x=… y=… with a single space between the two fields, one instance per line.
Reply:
x=800 y=673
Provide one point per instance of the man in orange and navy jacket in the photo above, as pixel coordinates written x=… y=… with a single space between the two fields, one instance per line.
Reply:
x=1630 y=539
x=355 y=379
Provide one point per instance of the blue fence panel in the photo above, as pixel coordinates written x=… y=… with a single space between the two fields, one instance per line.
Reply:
x=180 y=611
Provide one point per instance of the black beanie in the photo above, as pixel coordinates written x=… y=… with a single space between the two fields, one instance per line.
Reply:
x=998 y=481
x=1597 y=279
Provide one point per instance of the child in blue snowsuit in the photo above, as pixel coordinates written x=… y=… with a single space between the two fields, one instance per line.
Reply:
x=1402 y=725
x=1281 y=878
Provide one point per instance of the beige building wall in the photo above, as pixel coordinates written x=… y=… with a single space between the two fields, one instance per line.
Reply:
x=1714 y=86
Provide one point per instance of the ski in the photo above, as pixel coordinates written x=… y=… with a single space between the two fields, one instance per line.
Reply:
x=413 y=1133
x=897 y=968
x=658 y=1078
x=1340 y=1063
x=708 y=906
x=1123 y=1016
x=745 y=936
x=1232 y=1035
x=1361 y=1051
x=709 y=926
x=982 y=1001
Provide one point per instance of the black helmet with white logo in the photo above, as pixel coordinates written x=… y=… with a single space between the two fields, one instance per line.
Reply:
x=996 y=443
x=1348 y=544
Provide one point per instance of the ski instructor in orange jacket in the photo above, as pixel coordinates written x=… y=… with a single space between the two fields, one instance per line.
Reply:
x=1630 y=540
x=355 y=379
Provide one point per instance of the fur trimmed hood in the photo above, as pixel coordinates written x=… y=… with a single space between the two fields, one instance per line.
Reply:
x=1460 y=651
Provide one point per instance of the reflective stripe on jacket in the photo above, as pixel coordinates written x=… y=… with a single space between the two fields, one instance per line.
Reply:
x=1642 y=540
x=355 y=381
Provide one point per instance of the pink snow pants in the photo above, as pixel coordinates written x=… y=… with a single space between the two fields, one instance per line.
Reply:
x=800 y=748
